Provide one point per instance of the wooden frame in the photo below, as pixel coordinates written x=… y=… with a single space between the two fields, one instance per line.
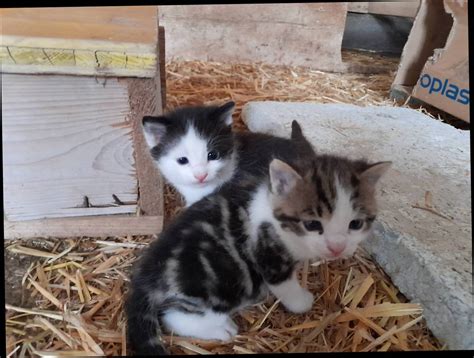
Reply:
x=146 y=97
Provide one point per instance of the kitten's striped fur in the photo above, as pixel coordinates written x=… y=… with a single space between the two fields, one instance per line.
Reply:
x=230 y=248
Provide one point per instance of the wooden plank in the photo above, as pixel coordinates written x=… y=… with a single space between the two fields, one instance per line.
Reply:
x=108 y=41
x=98 y=226
x=162 y=64
x=110 y=24
x=358 y=6
x=66 y=137
x=394 y=8
x=301 y=34
x=145 y=99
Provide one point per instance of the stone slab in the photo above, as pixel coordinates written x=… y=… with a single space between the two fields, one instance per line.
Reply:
x=428 y=257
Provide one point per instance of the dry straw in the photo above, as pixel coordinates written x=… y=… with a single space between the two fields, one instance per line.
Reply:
x=79 y=311
x=78 y=286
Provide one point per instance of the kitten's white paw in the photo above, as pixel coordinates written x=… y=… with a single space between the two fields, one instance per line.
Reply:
x=302 y=302
x=210 y=326
x=230 y=324
x=230 y=328
x=223 y=332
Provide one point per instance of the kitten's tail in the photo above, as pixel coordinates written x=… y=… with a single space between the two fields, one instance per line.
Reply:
x=143 y=331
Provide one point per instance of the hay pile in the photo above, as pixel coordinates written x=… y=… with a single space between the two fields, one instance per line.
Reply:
x=77 y=286
x=196 y=82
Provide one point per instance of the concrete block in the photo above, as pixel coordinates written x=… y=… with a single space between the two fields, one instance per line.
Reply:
x=429 y=257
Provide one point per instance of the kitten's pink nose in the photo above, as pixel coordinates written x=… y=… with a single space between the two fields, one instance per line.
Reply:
x=200 y=177
x=336 y=249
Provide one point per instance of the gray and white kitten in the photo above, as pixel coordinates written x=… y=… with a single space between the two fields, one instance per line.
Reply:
x=193 y=148
x=197 y=152
x=230 y=248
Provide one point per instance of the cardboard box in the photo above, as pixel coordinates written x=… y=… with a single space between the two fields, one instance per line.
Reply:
x=444 y=80
x=435 y=61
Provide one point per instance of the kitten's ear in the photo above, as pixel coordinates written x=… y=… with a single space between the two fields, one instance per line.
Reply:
x=298 y=137
x=225 y=111
x=296 y=132
x=374 y=172
x=154 y=129
x=283 y=178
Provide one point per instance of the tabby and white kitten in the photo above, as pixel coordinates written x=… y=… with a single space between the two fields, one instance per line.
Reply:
x=193 y=147
x=229 y=249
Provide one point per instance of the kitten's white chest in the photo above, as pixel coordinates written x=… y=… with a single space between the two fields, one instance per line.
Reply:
x=192 y=194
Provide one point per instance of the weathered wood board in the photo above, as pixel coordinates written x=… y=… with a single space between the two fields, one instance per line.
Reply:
x=94 y=226
x=393 y=8
x=107 y=41
x=65 y=138
x=162 y=62
x=145 y=100
x=301 y=34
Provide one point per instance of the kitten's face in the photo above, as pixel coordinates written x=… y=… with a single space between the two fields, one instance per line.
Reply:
x=331 y=208
x=192 y=146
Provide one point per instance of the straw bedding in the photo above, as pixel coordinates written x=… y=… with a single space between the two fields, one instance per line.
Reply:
x=74 y=289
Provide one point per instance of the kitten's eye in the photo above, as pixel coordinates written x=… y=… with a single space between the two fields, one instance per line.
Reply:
x=183 y=160
x=213 y=155
x=313 y=225
x=356 y=224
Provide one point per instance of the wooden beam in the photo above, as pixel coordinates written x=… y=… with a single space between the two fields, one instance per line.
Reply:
x=97 y=226
x=107 y=41
x=393 y=8
x=358 y=6
x=162 y=63
x=145 y=99
x=304 y=34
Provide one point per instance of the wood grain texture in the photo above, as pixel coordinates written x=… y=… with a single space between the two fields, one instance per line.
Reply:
x=107 y=23
x=108 y=41
x=64 y=138
x=145 y=99
x=302 y=34
x=98 y=226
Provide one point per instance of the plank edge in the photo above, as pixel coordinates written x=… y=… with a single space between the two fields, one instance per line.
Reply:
x=75 y=70
x=97 y=226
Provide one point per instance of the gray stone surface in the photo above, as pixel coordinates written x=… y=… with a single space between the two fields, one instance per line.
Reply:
x=427 y=256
